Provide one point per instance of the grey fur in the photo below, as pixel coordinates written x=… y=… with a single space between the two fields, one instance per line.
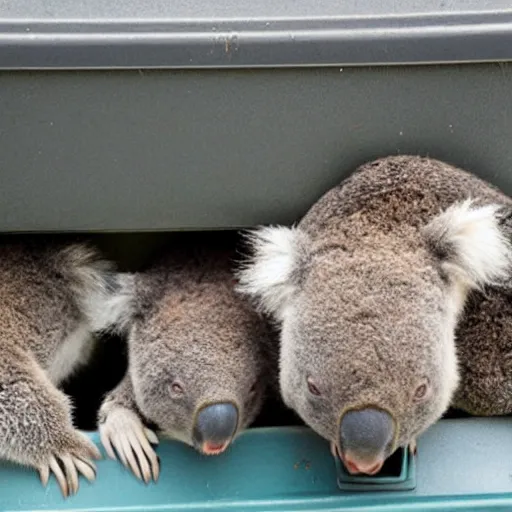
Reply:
x=49 y=290
x=369 y=289
x=188 y=326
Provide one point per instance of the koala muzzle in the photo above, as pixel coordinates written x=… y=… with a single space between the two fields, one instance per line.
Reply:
x=366 y=436
x=215 y=427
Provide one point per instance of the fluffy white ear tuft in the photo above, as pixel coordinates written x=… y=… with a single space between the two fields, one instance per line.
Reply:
x=104 y=295
x=472 y=243
x=112 y=309
x=272 y=273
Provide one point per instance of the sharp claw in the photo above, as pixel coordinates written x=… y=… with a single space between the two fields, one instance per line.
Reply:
x=85 y=469
x=146 y=475
x=413 y=447
x=152 y=437
x=131 y=440
x=105 y=440
x=70 y=473
x=66 y=468
x=153 y=460
x=59 y=475
x=145 y=453
x=119 y=450
x=44 y=474
x=144 y=459
x=156 y=469
x=135 y=469
x=136 y=444
x=95 y=452
x=127 y=447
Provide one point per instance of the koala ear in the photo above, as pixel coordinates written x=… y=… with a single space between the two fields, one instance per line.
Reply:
x=473 y=242
x=272 y=274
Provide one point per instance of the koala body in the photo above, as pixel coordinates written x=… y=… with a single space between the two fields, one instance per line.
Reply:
x=50 y=291
x=197 y=367
x=392 y=298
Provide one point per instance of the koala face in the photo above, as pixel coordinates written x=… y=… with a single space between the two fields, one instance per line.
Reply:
x=367 y=324
x=367 y=357
x=196 y=365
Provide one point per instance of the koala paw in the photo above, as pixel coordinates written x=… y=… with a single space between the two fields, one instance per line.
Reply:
x=124 y=431
x=67 y=463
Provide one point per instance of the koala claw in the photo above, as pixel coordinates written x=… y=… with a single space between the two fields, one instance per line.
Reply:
x=124 y=431
x=413 y=447
x=66 y=469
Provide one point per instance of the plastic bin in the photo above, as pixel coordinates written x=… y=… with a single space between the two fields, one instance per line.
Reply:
x=461 y=465
x=167 y=116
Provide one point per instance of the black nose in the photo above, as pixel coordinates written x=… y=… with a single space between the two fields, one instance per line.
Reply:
x=367 y=432
x=216 y=424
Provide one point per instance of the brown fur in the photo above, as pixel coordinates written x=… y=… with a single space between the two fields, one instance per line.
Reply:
x=47 y=289
x=189 y=326
x=484 y=347
x=371 y=289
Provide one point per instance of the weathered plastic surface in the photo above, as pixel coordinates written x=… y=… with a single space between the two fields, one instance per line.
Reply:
x=37 y=34
x=172 y=150
x=157 y=115
x=461 y=465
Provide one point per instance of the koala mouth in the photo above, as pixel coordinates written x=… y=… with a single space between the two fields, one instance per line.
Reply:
x=351 y=467
x=210 y=448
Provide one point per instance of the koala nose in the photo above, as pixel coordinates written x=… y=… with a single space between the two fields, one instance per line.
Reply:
x=365 y=436
x=215 y=427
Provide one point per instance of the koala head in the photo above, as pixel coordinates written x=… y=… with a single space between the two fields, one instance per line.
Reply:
x=195 y=357
x=367 y=326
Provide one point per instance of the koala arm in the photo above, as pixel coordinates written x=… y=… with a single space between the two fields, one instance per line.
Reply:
x=36 y=426
x=122 y=428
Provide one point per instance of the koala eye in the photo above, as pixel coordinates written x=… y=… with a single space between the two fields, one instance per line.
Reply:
x=313 y=389
x=422 y=391
x=176 y=388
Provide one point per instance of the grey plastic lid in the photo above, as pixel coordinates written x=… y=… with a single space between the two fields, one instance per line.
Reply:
x=88 y=34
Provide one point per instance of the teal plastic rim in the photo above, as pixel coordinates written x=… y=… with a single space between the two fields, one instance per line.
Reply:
x=462 y=465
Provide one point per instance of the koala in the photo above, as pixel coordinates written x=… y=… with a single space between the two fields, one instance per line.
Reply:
x=198 y=369
x=392 y=296
x=51 y=291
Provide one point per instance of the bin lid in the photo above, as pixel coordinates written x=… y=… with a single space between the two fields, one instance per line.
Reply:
x=55 y=34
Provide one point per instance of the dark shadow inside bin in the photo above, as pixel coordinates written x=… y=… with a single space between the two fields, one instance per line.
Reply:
x=88 y=386
x=393 y=466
